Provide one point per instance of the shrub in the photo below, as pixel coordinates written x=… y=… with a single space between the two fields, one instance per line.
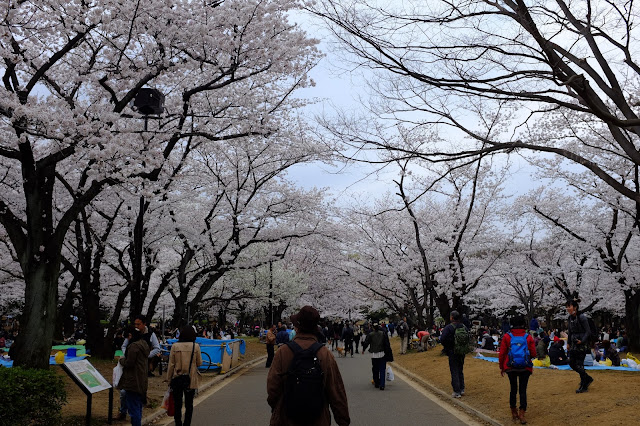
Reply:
x=30 y=396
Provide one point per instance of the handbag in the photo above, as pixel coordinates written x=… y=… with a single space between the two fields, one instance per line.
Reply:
x=182 y=381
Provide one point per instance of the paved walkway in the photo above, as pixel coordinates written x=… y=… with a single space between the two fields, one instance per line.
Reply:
x=241 y=400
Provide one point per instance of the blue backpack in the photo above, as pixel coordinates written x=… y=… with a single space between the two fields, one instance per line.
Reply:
x=519 y=356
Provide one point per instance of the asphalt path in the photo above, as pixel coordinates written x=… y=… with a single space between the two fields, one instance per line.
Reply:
x=241 y=400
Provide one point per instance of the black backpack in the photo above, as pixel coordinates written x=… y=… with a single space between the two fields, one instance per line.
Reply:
x=402 y=329
x=304 y=384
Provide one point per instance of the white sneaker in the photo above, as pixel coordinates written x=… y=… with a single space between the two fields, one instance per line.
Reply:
x=456 y=395
x=462 y=392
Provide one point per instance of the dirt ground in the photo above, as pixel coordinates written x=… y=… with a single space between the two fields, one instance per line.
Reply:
x=75 y=409
x=613 y=398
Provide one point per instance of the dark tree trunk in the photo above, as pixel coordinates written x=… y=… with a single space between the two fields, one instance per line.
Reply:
x=632 y=318
x=33 y=345
x=64 y=313
x=107 y=342
x=40 y=262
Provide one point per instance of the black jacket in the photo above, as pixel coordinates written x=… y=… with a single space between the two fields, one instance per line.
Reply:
x=578 y=330
x=447 y=338
x=557 y=354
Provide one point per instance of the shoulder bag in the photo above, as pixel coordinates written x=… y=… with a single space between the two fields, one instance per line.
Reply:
x=183 y=381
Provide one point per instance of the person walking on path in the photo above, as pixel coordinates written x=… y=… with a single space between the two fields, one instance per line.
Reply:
x=134 y=380
x=403 y=332
x=375 y=341
x=347 y=336
x=578 y=344
x=185 y=358
x=333 y=394
x=452 y=339
x=357 y=336
x=271 y=342
x=516 y=352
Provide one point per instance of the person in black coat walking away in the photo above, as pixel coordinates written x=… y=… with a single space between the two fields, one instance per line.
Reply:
x=456 y=359
x=347 y=336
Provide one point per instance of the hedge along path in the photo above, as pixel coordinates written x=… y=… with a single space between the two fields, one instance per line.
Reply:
x=613 y=398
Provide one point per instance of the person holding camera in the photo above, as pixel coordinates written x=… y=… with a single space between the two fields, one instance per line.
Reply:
x=579 y=333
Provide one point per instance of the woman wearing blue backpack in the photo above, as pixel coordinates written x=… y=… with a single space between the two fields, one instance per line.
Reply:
x=517 y=351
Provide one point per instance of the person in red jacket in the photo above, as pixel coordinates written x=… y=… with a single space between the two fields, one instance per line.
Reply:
x=515 y=374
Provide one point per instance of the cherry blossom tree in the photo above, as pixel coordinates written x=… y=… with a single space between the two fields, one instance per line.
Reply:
x=70 y=72
x=432 y=247
x=457 y=63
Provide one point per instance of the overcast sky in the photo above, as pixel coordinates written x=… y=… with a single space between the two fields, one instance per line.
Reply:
x=339 y=88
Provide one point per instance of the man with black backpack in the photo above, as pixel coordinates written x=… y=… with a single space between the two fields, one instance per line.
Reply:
x=455 y=339
x=304 y=379
x=579 y=344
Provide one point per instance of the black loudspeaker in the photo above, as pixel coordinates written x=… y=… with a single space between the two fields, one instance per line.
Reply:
x=149 y=101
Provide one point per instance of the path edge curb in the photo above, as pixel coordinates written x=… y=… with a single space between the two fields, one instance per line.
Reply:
x=151 y=418
x=446 y=398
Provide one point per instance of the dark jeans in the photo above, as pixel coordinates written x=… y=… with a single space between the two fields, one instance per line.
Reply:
x=123 y=401
x=270 y=352
x=348 y=347
x=357 y=342
x=524 y=381
x=456 y=366
x=188 y=405
x=134 y=406
x=576 y=362
x=379 y=371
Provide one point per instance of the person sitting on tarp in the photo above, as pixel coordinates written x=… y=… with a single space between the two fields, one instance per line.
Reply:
x=622 y=342
x=487 y=341
x=541 y=349
x=556 y=352
x=611 y=352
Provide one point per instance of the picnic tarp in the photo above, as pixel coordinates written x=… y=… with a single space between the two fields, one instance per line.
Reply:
x=213 y=348
x=52 y=361
x=566 y=367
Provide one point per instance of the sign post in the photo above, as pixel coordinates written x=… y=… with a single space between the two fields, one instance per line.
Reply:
x=90 y=381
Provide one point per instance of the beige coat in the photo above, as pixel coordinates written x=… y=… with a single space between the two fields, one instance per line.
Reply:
x=179 y=362
x=335 y=394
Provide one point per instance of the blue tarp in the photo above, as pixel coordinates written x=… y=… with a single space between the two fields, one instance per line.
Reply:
x=213 y=348
x=566 y=367
x=52 y=360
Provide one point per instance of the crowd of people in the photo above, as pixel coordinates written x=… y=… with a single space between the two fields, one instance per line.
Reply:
x=519 y=347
